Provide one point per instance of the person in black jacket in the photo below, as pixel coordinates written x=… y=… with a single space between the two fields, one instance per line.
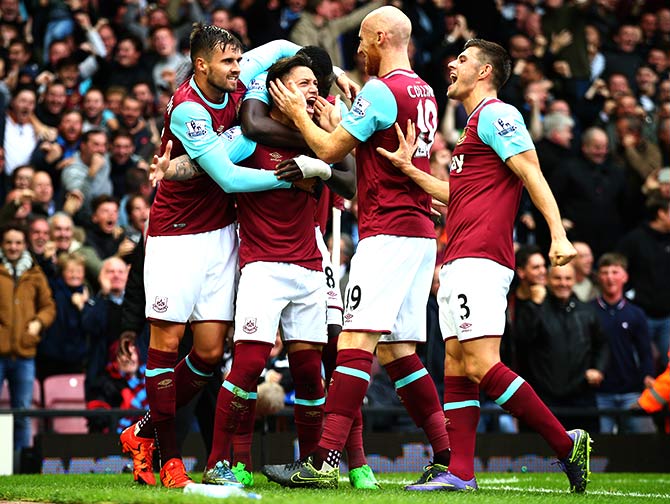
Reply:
x=647 y=249
x=101 y=317
x=564 y=346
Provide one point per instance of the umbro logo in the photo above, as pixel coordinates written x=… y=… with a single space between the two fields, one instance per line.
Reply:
x=165 y=383
x=465 y=326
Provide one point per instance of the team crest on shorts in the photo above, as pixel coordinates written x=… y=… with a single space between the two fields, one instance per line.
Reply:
x=250 y=326
x=160 y=304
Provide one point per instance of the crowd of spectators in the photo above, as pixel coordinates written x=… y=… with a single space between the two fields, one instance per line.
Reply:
x=84 y=83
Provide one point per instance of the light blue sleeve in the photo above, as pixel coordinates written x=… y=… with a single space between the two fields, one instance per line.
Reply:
x=374 y=109
x=192 y=125
x=237 y=145
x=258 y=60
x=257 y=89
x=502 y=128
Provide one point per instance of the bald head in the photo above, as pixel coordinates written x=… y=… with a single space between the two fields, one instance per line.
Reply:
x=393 y=22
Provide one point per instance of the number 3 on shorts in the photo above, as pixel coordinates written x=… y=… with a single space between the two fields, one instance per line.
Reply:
x=464 y=306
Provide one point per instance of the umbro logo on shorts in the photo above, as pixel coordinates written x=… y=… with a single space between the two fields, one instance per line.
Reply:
x=465 y=326
x=160 y=304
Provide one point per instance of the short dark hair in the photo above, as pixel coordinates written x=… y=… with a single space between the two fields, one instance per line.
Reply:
x=27 y=47
x=122 y=133
x=24 y=87
x=524 y=253
x=613 y=259
x=14 y=226
x=205 y=38
x=137 y=42
x=322 y=66
x=283 y=66
x=33 y=218
x=102 y=199
x=655 y=202
x=131 y=198
x=15 y=173
x=135 y=179
x=94 y=131
x=494 y=55
x=312 y=5
x=67 y=62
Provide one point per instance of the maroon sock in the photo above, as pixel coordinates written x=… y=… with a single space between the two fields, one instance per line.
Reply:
x=243 y=439
x=419 y=396
x=355 y=452
x=461 y=410
x=512 y=393
x=329 y=358
x=305 y=366
x=236 y=395
x=160 y=387
x=345 y=396
x=191 y=375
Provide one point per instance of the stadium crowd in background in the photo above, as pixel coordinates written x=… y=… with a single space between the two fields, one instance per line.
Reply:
x=84 y=85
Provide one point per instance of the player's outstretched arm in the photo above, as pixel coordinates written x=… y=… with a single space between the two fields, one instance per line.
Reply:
x=527 y=167
x=258 y=60
x=180 y=168
x=231 y=177
x=402 y=159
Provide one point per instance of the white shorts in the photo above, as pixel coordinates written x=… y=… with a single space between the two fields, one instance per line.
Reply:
x=388 y=287
x=191 y=277
x=271 y=292
x=473 y=298
x=334 y=297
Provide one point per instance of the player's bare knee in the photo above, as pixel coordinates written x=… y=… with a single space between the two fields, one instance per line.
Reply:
x=474 y=370
x=389 y=352
x=211 y=355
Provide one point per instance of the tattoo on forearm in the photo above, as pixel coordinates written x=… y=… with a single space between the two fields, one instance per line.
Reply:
x=184 y=169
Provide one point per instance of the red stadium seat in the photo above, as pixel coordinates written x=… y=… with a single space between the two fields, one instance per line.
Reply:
x=66 y=392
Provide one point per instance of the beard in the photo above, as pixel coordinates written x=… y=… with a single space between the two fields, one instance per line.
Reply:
x=226 y=87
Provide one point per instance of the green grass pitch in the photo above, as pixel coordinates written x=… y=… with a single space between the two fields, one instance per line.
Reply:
x=507 y=488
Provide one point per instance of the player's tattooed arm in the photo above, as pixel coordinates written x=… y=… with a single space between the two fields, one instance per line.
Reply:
x=181 y=168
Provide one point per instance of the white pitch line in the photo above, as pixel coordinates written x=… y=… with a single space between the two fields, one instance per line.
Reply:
x=589 y=492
